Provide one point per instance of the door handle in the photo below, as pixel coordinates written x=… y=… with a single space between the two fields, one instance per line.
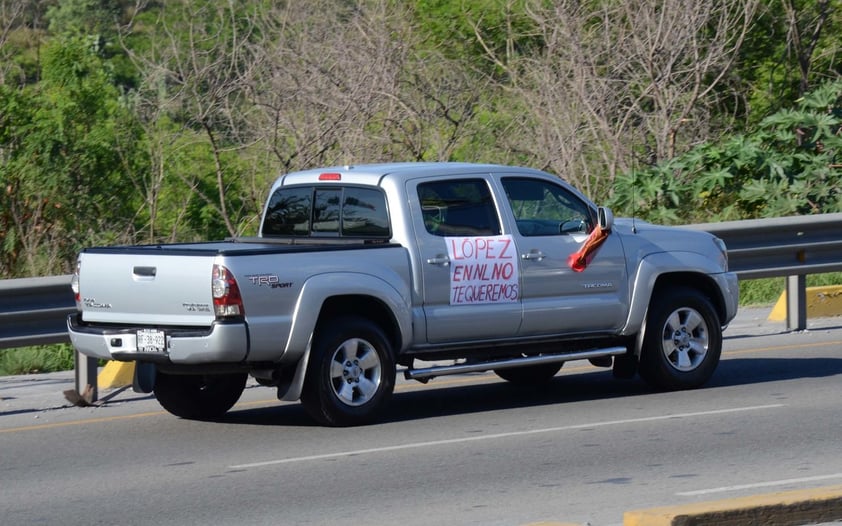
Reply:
x=144 y=273
x=439 y=260
x=536 y=255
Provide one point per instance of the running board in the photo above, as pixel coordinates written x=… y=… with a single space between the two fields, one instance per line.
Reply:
x=424 y=375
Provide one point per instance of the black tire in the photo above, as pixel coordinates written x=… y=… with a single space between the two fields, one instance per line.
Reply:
x=197 y=396
x=350 y=373
x=683 y=341
x=529 y=374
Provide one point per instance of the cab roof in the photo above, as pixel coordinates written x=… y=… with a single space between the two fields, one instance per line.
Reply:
x=371 y=174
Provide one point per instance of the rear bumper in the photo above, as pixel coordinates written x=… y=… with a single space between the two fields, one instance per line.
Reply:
x=221 y=342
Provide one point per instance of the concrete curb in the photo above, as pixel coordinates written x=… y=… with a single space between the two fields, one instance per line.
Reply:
x=787 y=508
x=822 y=302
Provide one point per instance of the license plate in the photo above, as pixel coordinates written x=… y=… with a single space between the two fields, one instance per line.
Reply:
x=151 y=340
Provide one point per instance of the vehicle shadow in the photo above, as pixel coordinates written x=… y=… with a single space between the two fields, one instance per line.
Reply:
x=432 y=402
x=744 y=333
x=744 y=371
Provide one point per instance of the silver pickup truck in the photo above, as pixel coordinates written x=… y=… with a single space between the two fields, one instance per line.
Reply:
x=427 y=268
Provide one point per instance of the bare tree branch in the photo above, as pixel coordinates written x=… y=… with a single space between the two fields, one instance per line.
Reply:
x=614 y=74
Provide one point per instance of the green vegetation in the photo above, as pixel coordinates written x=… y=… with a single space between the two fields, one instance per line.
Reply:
x=789 y=166
x=40 y=359
x=142 y=122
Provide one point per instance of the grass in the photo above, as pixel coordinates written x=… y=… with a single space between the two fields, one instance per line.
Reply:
x=50 y=358
x=38 y=359
x=761 y=291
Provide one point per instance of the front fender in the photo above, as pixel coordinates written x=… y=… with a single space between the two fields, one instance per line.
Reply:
x=654 y=266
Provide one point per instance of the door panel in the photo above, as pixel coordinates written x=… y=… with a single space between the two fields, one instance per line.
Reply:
x=463 y=210
x=552 y=223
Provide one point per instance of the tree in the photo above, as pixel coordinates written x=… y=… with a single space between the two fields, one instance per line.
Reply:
x=21 y=33
x=800 y=22
x=344 y=83
x=61 y=181
x=191 y=99
x=793 y=45
x=11 y=12
x=97 y=18
x=326 y=73
x=589 y=103
x=791 y=164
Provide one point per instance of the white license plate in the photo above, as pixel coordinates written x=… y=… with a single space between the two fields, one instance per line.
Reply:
x=151 y=340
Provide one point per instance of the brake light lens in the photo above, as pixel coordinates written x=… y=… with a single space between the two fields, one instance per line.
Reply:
x=227 y=301
x=74 y=285
x=330 y=176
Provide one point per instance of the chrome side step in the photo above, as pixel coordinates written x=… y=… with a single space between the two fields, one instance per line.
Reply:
x=424 y=375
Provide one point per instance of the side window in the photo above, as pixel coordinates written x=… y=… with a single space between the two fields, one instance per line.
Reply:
x=544 y=209
x=288 y=213
x=327 y=211
x=458 y=208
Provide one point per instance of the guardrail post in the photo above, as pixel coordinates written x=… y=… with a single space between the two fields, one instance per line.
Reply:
x=86 y=377
x=796 y=302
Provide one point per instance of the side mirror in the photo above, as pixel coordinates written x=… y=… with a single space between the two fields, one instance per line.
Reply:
x=605 y=218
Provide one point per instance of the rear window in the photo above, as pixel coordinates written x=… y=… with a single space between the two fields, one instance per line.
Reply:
x=327 y=212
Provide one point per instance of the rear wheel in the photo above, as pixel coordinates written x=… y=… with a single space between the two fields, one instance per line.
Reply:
x=683 y=341
x=350 y=374
x=197 y=396
x=529 y=374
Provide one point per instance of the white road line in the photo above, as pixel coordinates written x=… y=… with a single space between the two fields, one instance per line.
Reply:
x=771 y=483
x=495 y=436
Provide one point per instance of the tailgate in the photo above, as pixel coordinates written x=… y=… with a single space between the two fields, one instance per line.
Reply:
x=146 y=288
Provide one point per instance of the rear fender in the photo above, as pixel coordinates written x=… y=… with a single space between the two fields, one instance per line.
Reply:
x=316 y=291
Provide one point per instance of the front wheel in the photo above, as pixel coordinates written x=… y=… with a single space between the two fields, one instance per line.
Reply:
x=350 y=374
x=683 y=341
x=198 y=396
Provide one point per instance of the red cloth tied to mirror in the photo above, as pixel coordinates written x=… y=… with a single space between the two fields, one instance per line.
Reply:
x=580 y=259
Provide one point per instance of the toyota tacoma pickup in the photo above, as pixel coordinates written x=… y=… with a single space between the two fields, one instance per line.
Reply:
x=428 y=269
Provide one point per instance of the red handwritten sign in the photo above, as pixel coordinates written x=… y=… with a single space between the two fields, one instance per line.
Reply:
x=483 y=270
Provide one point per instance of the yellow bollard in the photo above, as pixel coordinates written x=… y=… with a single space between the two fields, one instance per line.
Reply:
x=115 y=375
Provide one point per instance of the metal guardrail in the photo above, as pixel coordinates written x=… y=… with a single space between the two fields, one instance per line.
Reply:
x=33 y=311
x=784 y=246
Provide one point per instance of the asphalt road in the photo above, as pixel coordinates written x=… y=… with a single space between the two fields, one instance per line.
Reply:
x=460 y=450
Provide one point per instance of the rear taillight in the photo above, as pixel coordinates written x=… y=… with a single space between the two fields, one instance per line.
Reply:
x=74 y=285
x=227 y=301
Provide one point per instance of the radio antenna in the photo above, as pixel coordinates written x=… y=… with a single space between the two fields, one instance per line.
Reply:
x=634 y=186
x=634 y=196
